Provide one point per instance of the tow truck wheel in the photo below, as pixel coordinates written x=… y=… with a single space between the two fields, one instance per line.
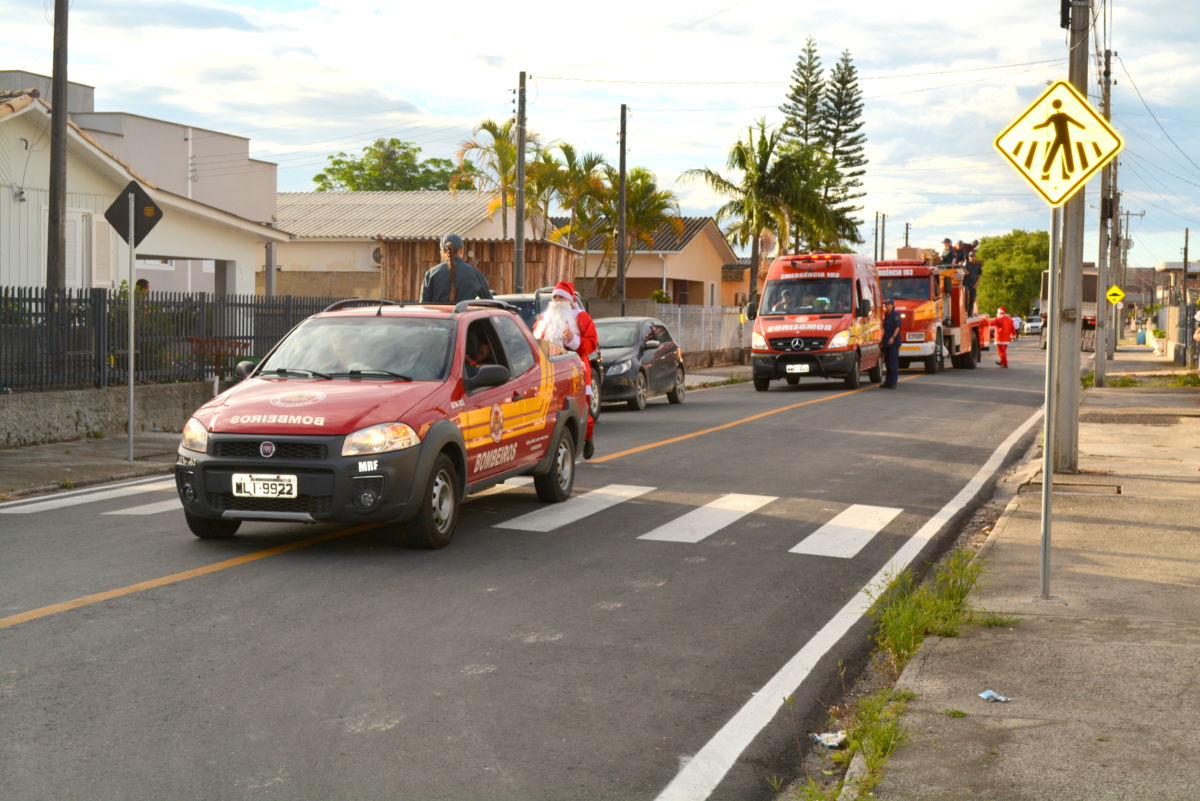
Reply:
x=937 y=361
x=207 y=528
x=973 y=358
x=556 y=486
x=762 y=384
x=852 y=377
x=638 y=401
x=675 y=395
x=435 y=521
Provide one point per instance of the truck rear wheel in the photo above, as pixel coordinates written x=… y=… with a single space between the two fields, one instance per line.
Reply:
x=972 y=359
x=876 y=372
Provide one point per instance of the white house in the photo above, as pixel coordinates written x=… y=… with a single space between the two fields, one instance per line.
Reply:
x=190 y=230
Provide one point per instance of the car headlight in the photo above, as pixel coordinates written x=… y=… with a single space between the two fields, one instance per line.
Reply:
x=758 y=341
x=618 y=368
x=195 y=436
x=380 y=439
x=840 y=340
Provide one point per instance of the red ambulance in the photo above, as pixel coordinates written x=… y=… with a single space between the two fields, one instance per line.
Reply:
x=821 y=317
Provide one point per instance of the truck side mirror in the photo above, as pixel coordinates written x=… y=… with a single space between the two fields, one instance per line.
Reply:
x=244 y=368
x=489 y=375
x=751 y=311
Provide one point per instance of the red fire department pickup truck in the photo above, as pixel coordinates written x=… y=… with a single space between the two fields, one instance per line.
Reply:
x=820 y=316
x=379 y=411
x=935 y=320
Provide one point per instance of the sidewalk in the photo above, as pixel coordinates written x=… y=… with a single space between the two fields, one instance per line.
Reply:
x=39 y=469
x=1102 y=676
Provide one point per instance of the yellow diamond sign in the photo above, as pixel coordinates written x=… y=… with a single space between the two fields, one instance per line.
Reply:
x=1059 y=142
x=1114 y=294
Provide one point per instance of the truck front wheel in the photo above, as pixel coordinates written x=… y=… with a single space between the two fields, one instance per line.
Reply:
x=438 y=515
x=936 y=362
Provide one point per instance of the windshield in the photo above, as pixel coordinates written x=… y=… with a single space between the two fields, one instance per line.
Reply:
x=906 y=288
x=617 y=335
x=379 y=348
x=807 y=296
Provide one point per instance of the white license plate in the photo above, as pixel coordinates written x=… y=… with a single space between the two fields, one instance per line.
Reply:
x=918 y=336
x=798 y=368
x=253 y=485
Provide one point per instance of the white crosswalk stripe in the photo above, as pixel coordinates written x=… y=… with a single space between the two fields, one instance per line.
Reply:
x=561 y=514
x=173 y=505
x=847 y=533
x=708 y=519
x=76 y=500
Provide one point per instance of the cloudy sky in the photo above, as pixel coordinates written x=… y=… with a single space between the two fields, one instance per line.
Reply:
x=306 y=78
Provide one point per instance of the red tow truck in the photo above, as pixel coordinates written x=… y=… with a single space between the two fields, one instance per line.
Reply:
x=932 y=301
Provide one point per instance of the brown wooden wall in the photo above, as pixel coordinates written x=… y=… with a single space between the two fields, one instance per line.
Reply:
x=406 y=261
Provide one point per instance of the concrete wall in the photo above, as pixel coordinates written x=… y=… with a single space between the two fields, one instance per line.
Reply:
x=30 y=418
x=331 y=284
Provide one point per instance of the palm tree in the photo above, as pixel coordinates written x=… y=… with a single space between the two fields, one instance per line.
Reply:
x=582 y=185
x=775 y=183
x=543 y=186
x=647 y=210
x=493 y=168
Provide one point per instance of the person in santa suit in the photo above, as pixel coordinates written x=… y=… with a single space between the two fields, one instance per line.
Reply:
x=1004 y=333
x=569 y=326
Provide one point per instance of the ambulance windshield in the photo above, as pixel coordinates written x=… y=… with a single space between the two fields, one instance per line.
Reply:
x=807 y=296
x=916 y=288
x=366 y=348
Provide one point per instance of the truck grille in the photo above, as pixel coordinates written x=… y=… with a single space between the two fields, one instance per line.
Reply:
x=313 y=505
x=248 y=449
x=797 y=344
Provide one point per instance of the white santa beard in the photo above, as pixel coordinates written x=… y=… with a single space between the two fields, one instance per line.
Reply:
x=558 y=316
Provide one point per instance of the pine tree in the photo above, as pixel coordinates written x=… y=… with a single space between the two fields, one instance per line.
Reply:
x=802 y=111
x=843 y=140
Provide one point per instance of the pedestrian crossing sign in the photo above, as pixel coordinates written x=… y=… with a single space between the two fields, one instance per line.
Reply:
x=1059 y=142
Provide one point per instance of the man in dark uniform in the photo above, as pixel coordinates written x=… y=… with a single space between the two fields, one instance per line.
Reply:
x=453 y=280
x=891 y=343
x=971 y=280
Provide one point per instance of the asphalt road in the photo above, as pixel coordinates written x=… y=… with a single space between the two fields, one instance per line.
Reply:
x=637 y=652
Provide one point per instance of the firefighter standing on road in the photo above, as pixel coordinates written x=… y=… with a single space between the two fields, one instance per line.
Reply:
x=891 y=343
x=1004 y=334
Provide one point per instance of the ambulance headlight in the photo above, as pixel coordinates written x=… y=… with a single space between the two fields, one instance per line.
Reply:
x=382 y=438
x=758 y=341
x=195 y=436
x=840 y=340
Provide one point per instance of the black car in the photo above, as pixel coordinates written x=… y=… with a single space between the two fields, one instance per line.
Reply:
x=641 y=358
x=529 y=305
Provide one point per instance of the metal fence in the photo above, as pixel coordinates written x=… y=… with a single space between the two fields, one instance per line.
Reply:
x=78 y=338
x=705 y=327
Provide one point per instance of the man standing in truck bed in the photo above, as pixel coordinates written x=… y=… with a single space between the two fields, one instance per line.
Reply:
x=453 y=280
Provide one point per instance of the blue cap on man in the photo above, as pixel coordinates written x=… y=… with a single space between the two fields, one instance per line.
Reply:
x=452 y=241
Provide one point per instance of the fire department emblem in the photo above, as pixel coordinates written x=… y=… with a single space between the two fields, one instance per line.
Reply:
x=291 y=400
x=497 y=424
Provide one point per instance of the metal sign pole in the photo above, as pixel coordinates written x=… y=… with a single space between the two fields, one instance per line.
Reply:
x=1052 y=338
x=132 y=292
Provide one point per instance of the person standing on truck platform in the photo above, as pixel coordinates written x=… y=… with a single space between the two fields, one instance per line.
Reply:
x=453 y=280
x=971 y=280
x=891 y=343
x=1004 y=332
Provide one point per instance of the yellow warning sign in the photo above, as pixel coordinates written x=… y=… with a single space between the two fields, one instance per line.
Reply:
x=1114 y=294
x=1059 y=142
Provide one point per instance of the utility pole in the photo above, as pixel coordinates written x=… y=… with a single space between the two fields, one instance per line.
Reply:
x=1066 y=428
x=1103 y=309
x=1189 y=348
x=882 y=236
x=906 y=227
x=519 y=233
x=56 y=245
x=1125 y=243
x=621 y=226
x=1115 y=264
x=875 y=240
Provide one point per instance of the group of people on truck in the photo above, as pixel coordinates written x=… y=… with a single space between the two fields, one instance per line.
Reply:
x=963 y=255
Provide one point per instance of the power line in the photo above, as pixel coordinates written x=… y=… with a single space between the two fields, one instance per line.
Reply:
x=1156 y=122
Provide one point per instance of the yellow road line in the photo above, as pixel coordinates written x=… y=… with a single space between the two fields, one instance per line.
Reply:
x=88 y=600
x=732 y=423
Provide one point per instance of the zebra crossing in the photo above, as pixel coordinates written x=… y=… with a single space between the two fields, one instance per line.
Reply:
x=841 y=537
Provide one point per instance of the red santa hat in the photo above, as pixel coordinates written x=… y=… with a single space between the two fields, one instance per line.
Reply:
x=564 y=289
x=1001 y=310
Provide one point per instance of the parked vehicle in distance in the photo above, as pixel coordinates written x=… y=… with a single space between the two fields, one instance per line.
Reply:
x=821 y=316
x=641 y=359
x=374 y=411
x=1032 y=325
x=529 y=305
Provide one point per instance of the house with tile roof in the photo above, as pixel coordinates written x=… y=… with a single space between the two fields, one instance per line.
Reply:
x=379 y=244
x=687 y=266
x=190 y=230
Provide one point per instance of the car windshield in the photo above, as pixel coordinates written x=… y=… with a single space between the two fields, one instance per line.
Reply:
x=906 y=288
x=366 y=348
x=617 y=335
x=807 y=296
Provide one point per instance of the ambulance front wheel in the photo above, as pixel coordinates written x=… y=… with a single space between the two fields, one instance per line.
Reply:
x=761 y=384
x=433 y=527
x=207 y=528
x=852 y=377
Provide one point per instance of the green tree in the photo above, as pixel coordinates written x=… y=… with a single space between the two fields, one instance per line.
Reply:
x=385 y=165
x=582 y=186
x=1012 y=270
x=647 y=210
x=802 y=110
x=843 y=140
x=494 y=146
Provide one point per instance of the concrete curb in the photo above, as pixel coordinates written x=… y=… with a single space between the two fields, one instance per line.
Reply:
x=50 y=489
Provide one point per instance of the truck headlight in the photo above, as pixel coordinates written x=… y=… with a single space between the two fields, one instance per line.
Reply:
x=758 y=341
x=380 y=439
x=618 y=368
x=840 y=340
x=195 y=436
